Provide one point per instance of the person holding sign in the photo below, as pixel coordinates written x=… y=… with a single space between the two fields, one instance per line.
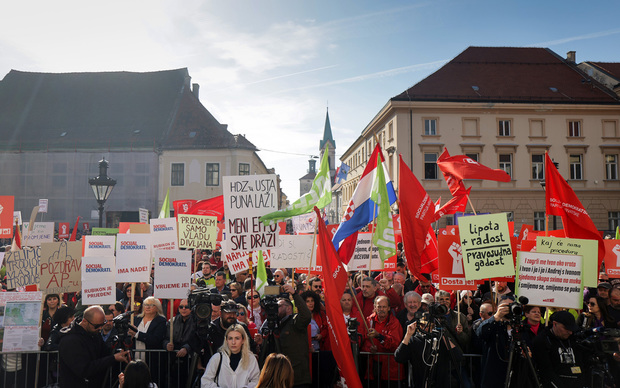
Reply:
x=183 y=328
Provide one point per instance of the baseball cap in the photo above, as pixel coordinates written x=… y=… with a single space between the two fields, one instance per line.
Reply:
x=229 y=306
x=428 y=298
x=606 y=285
x=565 y=318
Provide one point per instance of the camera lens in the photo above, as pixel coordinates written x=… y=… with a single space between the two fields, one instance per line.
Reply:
x=203 y=311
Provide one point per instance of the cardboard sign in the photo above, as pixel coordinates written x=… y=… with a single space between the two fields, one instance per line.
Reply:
x=164 y=233
x=612 y=258
x=42 y=232
x=43 y=205
x=485 y=242
x=246 y=199
x=123 y=227
x=305 y=223
x=20 y=320
x=144 y=215
x=451 y=271
x=197 y=232
x=22 y=267
x=104 y=231
x=361 y=256
x=133 y=258
x=172 y=274
x=61 y=267
x=99 y=246
x=98 y=278
x=6 y=216
x=550 y=279
x=140 y=228
x=588 y=249
x=293 y=251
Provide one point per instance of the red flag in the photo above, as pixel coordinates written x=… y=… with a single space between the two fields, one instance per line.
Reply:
x=429 y=260
x=455 y=184
x=458 y=203
x=17 y=238
x=416 y=216
x=335 y=278
x=182 y=205
x=209 y=207
x=562 y=201
x=463 y=167
x=74 y=233
x=347 y=248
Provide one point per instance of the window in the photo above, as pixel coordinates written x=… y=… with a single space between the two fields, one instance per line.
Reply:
x=213 y=174
x=430 y=166
x=574 y=128
x=614 y=220
x=177 y=174
x=576 y=167
x=473 y=157
x=539 y=220
x=504 y=128
x=611 y=167
x=244 y=169
x=430 y=127
x=510 y=216
x=538 y=167
x=505 y=163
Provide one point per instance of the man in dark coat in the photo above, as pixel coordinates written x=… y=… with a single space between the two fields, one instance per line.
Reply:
x=84 y=358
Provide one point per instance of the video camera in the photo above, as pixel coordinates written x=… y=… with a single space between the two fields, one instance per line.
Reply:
x=122 y=339
x=515 y=310
x=598 y=340
x=201 y=302
x=270 y=304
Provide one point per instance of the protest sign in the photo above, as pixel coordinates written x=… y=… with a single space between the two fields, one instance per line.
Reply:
x=246 y=199
x=43 y=205
x=361 y=256
x=612 y=258
x=22 y=267
x=172 y=274
x=238 y=261
x=197 y=232
x=138 y=228
x=61 y=267
x=485 y=242
x=102 y=246
x=123 y=227
x=164 y=233
x=451 y=271
x=305 y=223
x=133 y=258
x=104 y=232
x=6 y=216
x=86 y=225
x=98 y=280
x=64 y=230
x=19 y=321
x=42 y=232
x=588 y=249
x=293 y=251
x=144 y=215
x=550 y=279
x=17 y=217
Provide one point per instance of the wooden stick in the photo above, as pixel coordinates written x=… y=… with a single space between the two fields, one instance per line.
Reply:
x=312 y=252
x=472 y=205
x=171 y=301
x=458 y=306
x=358 y=304
x=133 y=294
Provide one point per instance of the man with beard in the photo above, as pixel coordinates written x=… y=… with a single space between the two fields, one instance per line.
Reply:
x=228 y=317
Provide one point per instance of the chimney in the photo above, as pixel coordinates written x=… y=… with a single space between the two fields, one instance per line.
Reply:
x=196 y=90
x=570 y=56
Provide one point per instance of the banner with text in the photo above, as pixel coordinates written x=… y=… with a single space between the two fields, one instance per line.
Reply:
x=98 y=280
x=61 y=267
x=305 y=223
x=246 y=199
x=99 y=245
x=485 y=242
x=612 y=258
x=587 y=249
x=172 y=274
x=7 y=203
x=550 y=280
x=42 y=232
x=133 y=258
x=361 y=256
x=451 y=271
x=197 y=232
x=164 y=233
x=20 y=321
x=104 y=231
x=293 y=251
x=23 y=267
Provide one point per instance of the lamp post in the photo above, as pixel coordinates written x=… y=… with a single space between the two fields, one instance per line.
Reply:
x=102 y=186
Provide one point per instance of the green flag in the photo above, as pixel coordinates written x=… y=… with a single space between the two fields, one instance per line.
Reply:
x=617 y=232
x=261 y=274
x=320 y=195
x=383 y=236
x=165 y=208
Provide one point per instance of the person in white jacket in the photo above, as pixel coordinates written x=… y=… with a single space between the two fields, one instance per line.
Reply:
x=233 y=366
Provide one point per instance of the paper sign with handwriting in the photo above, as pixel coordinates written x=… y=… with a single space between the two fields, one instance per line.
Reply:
x=588 y=249
x=61 y=267
x=172 y=274
x=98 y=280
x=23 y=267
x=197 y=232
x=42 y=232
x=293 y=251
x=361 y=256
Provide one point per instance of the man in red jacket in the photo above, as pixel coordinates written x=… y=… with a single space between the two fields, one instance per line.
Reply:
x=370 y=290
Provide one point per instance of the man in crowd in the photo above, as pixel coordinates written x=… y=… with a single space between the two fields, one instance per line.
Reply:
x=412 y=301
x=370 y=290
x=316 y=284
x=614 y=305
x=278 y=277
x=108 y=331
x=495 y=342
x=116 y=309
x=220 y=284
x=425 y=286
x=346 y=302
x=227 y=318
x=83 y=357
x=183 y=326
x=241 y=276
x=456 y=323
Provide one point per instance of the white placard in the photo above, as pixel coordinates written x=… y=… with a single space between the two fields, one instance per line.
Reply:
x=246 y=199
x=133 y=258
x=293 y=252
x=17 y=215
x=99 y=245
x=361 y=256
x=43 y=205
x=21 y=331
x=144 y=215
x=98 y=280
x=239 y=261
x=305 y=223
x=164 y=233
x=172 y=274
x=42 y=232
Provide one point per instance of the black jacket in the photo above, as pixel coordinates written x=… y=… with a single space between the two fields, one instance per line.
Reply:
x=182 y=333
x=155 y=334
x=84 y=359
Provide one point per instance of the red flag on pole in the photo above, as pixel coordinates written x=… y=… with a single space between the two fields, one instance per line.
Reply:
x=74 y=233
x=416 y=216
x=455 y=184
x=458 y=203
x=209 y=207
x=461 y=167
x=562 y=201
x=17 y=239
x=335 y=278
x=429 y=260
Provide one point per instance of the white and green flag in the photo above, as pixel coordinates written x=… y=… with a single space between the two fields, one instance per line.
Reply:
x=320 y=195
x=383 y=237
x=261 y=274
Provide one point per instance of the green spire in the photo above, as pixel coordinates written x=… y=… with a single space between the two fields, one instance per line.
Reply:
x=327 y=133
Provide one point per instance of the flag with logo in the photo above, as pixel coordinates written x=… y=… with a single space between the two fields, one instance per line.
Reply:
x=261 y=273
x=459 y=167
x=383 y=236
x=165 y=207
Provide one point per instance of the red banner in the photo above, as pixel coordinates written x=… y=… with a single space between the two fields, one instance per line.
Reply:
x=63 y=230
x=7 y=206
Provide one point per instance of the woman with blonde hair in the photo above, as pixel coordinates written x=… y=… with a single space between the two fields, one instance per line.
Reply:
x=234 y=366
x=151 y=324
x=277 y=372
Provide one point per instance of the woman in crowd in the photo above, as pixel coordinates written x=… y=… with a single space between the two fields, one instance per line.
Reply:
x=318 y=324
x=62 y=318
x=126 y=301
x=233 y=366
x=469 y=307
x=597 y=315
x=136 y=375
x=51 y=305
x=256 y=311
x=151 y=324
x=237 y=293
x=242 y=316
x=531 y=324
x=277 y=372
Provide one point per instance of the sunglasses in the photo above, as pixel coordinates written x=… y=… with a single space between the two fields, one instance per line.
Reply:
x=256 y=296
x=319 y=287
x=97 y=326
x=241 y=313
x=591 y=304
x=184 y=307
x=149 y=305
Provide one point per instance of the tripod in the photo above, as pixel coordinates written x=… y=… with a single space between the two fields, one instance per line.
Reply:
x=518 y=348
x=271 y=344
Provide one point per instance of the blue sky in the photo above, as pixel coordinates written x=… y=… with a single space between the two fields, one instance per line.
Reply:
x=269 y=69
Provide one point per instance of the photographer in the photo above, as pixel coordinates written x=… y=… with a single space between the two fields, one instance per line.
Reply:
x=495 y=346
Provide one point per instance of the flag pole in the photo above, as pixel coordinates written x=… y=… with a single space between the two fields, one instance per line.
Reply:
x=171 y=301
x=316 y=226
x=357 y=304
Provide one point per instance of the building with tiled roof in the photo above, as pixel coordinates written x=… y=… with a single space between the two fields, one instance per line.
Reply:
x=151 y=127
x=505 y=107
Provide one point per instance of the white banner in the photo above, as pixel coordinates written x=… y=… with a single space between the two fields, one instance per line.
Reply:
x=238 y=261
x=164 y=233
x=43 y=205
x=304 y=223
x=99 y=245
x=144 y=215
x=293 y=252
x=42 y=232
x=246 y=199
x=172 y=274
x=361 y=256
x=133 y=258
x=20 y=320
x=98 y=280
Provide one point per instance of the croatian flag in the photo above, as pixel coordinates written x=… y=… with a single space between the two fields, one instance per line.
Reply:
x=361 y=209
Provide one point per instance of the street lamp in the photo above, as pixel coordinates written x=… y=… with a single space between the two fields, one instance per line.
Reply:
x=102 y=186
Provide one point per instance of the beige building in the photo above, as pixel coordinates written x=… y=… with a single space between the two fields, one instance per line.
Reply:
x=504 y=107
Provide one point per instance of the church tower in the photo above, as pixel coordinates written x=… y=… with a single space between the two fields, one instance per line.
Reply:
x=329 y=140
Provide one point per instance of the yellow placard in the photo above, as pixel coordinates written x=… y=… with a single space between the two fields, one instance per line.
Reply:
x=197 y=231
x=574 y=246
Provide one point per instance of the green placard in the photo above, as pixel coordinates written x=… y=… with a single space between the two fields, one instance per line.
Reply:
x=588 y=249
x=485 y=243
x=104 y=231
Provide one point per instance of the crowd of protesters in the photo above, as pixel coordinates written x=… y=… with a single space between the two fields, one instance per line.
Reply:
x=404 y=332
